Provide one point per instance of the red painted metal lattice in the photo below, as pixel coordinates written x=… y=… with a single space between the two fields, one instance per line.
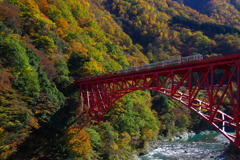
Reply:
x=211 y=88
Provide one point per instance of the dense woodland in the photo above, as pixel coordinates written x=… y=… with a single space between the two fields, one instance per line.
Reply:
x=46 y=44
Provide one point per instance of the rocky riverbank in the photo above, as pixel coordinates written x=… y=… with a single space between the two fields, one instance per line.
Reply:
x=182 y=136
x=188 y=145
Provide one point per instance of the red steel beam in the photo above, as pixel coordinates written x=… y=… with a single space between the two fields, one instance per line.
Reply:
x=97 y=94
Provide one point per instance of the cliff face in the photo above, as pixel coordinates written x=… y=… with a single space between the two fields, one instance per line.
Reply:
x=46 y=44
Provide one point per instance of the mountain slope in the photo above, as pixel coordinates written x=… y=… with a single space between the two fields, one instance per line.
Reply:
x=223 y=11
x=44 y=45
x=150 y=24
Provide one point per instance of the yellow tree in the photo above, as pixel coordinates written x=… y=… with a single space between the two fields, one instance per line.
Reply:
x=78 y=141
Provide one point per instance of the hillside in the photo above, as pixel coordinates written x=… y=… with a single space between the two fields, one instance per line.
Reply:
x=46 y=44
x=223 y=11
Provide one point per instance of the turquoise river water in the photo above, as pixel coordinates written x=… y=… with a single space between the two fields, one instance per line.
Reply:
x=198 y=147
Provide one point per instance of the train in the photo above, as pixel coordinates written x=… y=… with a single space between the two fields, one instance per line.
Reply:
x=196 y=57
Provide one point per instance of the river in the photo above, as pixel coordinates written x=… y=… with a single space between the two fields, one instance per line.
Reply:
x=209 y=146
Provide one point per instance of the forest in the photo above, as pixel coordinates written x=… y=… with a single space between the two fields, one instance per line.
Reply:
x=45 y=45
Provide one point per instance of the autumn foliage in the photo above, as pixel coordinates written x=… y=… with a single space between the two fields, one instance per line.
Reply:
x=78 y=141
x=46 y=44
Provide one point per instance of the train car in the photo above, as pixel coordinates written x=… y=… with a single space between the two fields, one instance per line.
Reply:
x=168 y=62
x=196 y=57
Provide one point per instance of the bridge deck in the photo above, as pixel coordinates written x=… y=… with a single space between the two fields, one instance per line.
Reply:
x=221 y=61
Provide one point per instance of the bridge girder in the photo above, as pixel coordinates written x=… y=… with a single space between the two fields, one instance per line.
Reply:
x=210 y=88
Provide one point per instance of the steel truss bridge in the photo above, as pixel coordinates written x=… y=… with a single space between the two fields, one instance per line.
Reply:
x=210 y=88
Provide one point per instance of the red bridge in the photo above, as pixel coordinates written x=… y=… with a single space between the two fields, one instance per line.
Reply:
x=210 y=88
